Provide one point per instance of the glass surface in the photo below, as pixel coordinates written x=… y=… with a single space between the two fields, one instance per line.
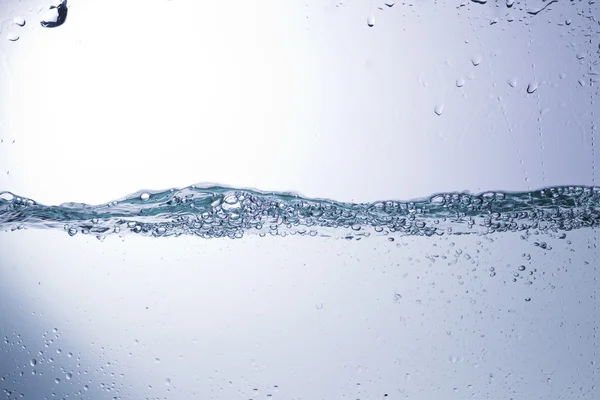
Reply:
x=299 y=200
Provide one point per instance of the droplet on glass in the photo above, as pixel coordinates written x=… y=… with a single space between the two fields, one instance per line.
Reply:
x=168 y=381
x=33 y=362
x=55 y=16
x=509 y=3
x=532 y=87
x=19 y=21
x=512 y=82
x=13 y=37
x=479 y=1
x=371 y=20
x=390 y=3
x=145 y=196
x=460 y=82
x=438 y=109
x=476 y=60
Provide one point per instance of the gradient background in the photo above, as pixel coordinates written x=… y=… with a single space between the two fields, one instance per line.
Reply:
x=300 y=96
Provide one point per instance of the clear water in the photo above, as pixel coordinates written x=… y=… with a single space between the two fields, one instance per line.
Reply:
x=214 y=212
x=447 y=247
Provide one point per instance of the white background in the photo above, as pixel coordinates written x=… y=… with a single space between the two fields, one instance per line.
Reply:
x=301 y=96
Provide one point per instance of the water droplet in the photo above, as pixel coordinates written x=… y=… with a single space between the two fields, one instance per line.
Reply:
x=319 y=306
x=57 y=380
x=479 y=1
x=168 y=381
x=55 y=16
x=460 y=82
x=13 y=37
x=69 y=375
x=145 y=196
x=33 y=362
x=390 y=3
x=19 y=21
x=72 y=231
x=509 y=3
x=522 y=268
x=438 y=109
x=581 y=82
x=476 y=60
x=371 y=20
x=512 y=82
x=580 y=56
x=532 y=87
x=157 y=360
x=528 y=299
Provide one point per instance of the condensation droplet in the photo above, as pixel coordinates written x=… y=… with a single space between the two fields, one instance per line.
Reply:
x=460 y=82
x=55 y=16
x=479 y=1
x=476 y=60
x=72 y=231
x=69 y=375
x=13 y=37
x=19 y=21
x=145 y=196
x=371 y=21
x=168 y=381
x=438 y=109
x=509 y=3
x=532 y=87
x=390 y=3
x=33 y=362
x=512 y=82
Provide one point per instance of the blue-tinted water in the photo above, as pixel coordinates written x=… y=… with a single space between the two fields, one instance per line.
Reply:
x=216 y=211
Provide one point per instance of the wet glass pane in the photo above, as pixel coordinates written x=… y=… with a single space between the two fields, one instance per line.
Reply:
x=299 y=200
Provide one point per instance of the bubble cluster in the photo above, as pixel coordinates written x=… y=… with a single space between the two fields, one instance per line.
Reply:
x=215 y=212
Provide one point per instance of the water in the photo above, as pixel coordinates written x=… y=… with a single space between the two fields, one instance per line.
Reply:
x=446 y=247
x=214 y=212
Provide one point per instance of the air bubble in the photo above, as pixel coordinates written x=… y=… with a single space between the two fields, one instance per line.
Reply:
x=7 y=196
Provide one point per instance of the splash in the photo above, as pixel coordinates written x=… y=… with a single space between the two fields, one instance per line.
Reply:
x=216 y=211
